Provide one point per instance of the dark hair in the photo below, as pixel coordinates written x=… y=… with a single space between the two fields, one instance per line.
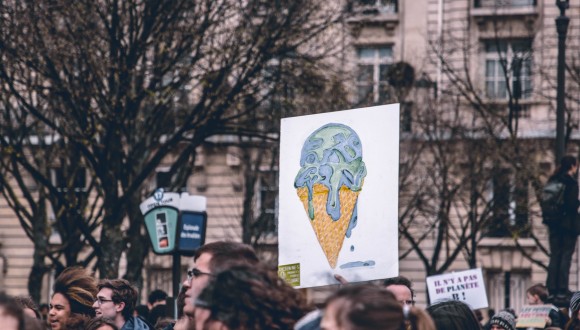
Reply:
x=77 y=322
x=97 y=322
x=539 y=290
x=156 y=295
x=79 y=288
x=180 y=301
x=142 y=310
x=124 y=292
x=573 y=322
x=26 y=302
x=566 y=164
x=361 y=307
x=400 y=280
x=231 y=253
x=32 y=323
x=250 y=297
x=158 y=312
x=12 y=308
x=453 y=315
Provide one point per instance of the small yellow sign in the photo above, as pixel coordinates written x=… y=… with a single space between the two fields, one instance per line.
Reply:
x=290 y=273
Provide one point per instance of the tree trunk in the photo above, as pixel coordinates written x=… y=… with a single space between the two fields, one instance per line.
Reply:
x=40 y=239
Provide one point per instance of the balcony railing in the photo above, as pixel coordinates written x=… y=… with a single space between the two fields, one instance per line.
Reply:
x=504 y=3
x=376 y=7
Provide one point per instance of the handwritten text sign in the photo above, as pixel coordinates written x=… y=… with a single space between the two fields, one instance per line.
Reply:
x=467 y=286
x=533 y=316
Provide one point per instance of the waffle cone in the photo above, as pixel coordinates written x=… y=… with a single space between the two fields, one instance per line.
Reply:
x=330 y=233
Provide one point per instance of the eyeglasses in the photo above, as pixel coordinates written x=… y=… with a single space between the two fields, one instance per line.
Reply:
x=194 y=272
x=407 y=302
x=100 y=300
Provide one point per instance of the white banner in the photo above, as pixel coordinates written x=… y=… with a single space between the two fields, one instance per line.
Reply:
x=467 y=286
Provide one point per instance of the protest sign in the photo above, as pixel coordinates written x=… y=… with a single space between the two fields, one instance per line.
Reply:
x=467 y=286
x=533 y=316
x=338 y=202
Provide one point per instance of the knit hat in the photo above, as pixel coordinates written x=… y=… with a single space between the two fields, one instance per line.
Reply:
x=505 y=320
x=575 y=302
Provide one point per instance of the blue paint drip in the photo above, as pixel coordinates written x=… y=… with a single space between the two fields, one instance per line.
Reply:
x=356 y=264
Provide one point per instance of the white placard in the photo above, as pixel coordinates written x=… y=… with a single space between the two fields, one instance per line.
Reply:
x=313 y=149
x=467 y=286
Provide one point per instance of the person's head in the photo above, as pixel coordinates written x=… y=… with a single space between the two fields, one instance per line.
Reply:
x=537 y=294
x=141 y=310
x=401 y=287
x=453 y=315
x=503 y=320
x=209 y=260
x=158 y=312
x=248 y=297
x=28 y=306
x=75 y=291
x=115 y=298
x=101 y=323
x=11 y=314
x=575 y=304
x=567 y=164
x=362 y=307
x=156 y=297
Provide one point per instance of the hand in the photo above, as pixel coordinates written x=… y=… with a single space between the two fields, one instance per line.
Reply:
x=340 y=279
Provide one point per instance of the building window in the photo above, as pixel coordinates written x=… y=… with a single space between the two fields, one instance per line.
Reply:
x=496 y=287
x=373 y=7
x=509 y=204
x=64 y=181
x=373 y=68
x=504 y=3
x=508 y=61
x=267 y=200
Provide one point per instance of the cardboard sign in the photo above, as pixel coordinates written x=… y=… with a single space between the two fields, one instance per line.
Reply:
x=533 y=316
x=467 y=286
x=338 y=202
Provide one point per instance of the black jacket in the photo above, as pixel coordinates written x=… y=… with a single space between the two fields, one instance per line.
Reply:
x=571 y=202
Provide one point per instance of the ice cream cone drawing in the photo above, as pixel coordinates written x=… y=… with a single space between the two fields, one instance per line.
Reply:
x=328 y=184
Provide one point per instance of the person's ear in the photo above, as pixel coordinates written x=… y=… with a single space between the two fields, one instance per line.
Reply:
x=120 y=306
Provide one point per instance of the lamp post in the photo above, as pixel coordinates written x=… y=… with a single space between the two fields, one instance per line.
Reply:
x=562 y=23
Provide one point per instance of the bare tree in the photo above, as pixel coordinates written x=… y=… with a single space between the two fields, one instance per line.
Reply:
x=123 y=84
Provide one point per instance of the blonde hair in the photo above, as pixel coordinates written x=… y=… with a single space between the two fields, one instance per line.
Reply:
x=79 y=287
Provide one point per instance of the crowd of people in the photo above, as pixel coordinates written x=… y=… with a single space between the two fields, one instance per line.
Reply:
x=229 y=288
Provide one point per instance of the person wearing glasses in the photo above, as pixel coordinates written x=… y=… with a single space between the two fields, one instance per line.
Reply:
x=116 y=300
x=75 y=291
x=208 y=260
x=401 y=287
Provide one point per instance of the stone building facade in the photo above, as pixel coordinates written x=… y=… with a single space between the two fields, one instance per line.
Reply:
x=469 y=34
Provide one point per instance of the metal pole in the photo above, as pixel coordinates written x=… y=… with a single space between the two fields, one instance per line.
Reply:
x=176 y=274
x=562 y=27
x=507 y=289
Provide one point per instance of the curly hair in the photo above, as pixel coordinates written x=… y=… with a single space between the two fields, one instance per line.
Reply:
x=79 y=287
x=124 y=292
x=251 y=297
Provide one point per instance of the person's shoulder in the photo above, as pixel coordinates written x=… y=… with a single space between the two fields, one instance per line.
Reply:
x=137 y=323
